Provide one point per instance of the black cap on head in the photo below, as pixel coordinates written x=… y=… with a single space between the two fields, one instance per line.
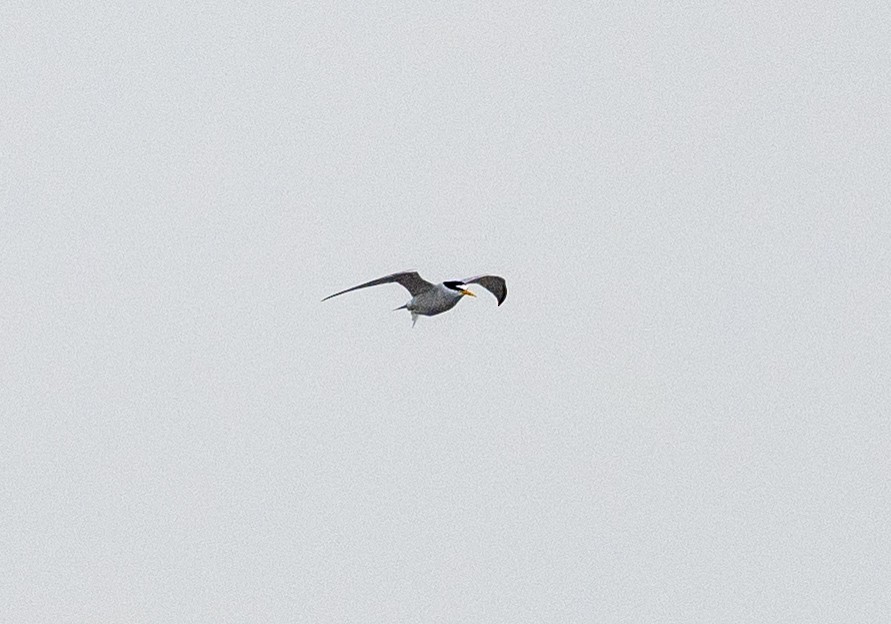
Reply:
x=454 y=285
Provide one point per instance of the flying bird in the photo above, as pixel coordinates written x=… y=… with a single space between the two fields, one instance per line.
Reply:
x=431 y=299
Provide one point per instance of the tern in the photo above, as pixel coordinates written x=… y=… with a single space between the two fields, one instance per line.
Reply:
x=431 y=299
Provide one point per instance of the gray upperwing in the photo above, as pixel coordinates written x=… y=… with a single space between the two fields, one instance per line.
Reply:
x=493 y=283
x=410 y=280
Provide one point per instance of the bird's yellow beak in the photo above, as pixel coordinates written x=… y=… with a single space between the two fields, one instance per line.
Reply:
x=468 y=293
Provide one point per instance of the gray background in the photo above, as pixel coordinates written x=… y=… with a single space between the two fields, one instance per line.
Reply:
x=680 y=414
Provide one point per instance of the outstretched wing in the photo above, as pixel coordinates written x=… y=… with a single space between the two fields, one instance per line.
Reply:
x=494 y=284
x=413 y=282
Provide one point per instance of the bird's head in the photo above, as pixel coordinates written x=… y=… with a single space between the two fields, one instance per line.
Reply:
x=458 y=287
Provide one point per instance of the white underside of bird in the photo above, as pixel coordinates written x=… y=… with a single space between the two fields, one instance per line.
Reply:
x=431 y=299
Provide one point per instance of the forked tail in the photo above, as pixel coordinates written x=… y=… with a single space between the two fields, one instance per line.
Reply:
x=414 y=316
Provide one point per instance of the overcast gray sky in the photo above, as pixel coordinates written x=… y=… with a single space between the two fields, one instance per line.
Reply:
x=680 y=414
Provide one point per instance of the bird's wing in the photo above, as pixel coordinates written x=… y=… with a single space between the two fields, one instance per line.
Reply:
x=494 y=284
x=412 y=282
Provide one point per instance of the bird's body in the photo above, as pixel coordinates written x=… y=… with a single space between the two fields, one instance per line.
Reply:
x=434 y=301
x=431 y=299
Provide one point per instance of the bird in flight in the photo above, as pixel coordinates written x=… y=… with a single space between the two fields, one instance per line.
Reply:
x=431 y=299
